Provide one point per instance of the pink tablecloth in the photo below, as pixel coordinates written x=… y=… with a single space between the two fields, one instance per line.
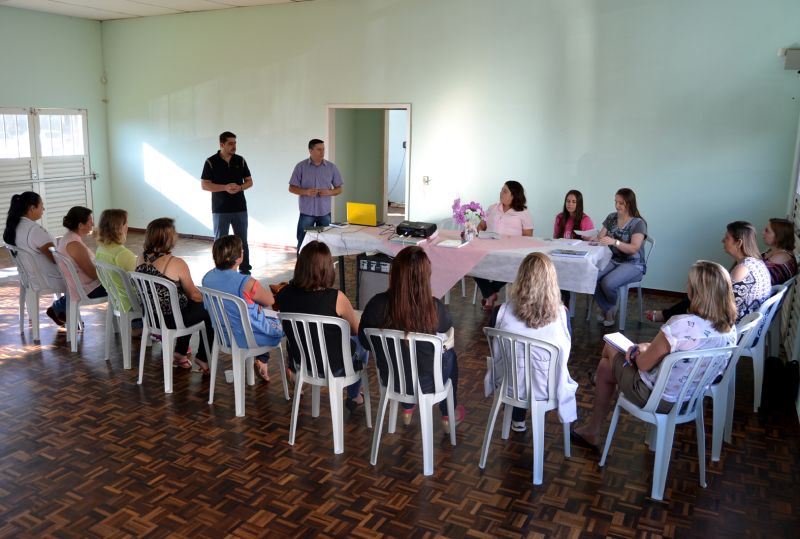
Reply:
x=492 y=259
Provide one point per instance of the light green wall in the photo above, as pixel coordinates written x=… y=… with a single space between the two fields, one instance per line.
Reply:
x=359 y=156
x=684 y=101
x=50 y=61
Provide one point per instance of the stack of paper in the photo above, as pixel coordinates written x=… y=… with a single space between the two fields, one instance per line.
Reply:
x=571 y=253
x=452 y=244
x=407 y=240
x=567 y=241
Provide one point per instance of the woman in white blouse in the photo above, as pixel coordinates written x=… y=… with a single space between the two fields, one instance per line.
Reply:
x=535 y=310
x=709 y=323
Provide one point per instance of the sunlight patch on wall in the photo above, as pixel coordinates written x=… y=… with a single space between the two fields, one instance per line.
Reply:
x=177 y=185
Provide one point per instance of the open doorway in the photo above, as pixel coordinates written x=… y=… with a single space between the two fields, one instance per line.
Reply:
x=370 y=145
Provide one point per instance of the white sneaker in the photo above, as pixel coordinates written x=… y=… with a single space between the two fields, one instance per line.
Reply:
x=601 y=317
x=518 y=426
x=609 y=323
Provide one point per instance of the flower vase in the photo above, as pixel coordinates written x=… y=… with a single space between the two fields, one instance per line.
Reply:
x=468 y=234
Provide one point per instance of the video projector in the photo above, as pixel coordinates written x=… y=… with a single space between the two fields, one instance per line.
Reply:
x=416 y=229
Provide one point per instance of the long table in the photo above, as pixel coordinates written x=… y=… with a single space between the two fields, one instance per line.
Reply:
x=495 y=259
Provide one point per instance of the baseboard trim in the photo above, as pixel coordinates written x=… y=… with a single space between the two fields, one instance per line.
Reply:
x=210 y=239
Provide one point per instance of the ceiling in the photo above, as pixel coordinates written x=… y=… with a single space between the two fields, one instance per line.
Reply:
x=106 y=10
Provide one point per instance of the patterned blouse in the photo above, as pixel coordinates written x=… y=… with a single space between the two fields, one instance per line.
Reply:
x=636 y=225
x=780 y=272
x=754 y=289
x=163 y=294
x=684 y=333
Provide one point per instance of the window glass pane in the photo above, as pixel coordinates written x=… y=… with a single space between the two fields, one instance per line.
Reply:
x=61 y=134
x=14 y=141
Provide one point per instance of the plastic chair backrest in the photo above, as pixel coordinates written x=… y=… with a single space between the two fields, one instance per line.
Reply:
x=703 y=367
x=769 y=308
x=300 y=329
x=746 y=332
x=29 y=274
x=514 y=352
x=219 y=305
x=391 y=344
x=119 y=288
x=70 y=274
x=650 y=243
x=147 y=287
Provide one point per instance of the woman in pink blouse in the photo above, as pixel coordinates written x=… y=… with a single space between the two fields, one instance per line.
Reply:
x=572 y=213
x=79 y=224
x=509 y=217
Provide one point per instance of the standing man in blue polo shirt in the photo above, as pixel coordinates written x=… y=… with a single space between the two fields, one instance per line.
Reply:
x=226 y=176
x=316 y=181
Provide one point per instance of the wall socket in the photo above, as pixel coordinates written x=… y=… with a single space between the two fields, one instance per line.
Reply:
x=426 y=180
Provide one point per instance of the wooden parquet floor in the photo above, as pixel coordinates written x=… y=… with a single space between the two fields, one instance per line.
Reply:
x=86 y=452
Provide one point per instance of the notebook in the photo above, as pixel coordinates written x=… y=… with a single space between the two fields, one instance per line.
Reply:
x=570 y=253
x=618 y=341
x=362 y=214
x=453 y=244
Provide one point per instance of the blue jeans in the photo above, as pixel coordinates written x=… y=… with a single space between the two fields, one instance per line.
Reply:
x=360 y=354
x=306 y=221
x=610 y=278
x=238 y=220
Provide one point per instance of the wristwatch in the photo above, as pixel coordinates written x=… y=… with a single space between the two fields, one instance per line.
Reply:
x=616 y=243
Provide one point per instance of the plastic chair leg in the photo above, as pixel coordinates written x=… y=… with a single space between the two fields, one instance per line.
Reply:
x=213 y=373
x=731 y=398
x=447 y=298
x=238 y=383
x=73 y=316
x=393 y=417
x=109 y=330
x=463 y=287
x=487 y=436
x=249 y=369
x=337 y=414
x=376 y=436
x=664 y=437
x=23 y=293
x=537 y=428
x=298 y=388
x=719 y=408
x=167 y=346
x=622 y=314
x=572 y=301
x=701 y=445
x=284 y=381
x=426 y=425
x=142 y=351
x=451 y=409
x=758 y=372
x=32 y=299
x=567 y=446
x=367 y=403
x=506 y=421
x=611 y=428
x=125 y=336
x=315 y=401
x=641 y=304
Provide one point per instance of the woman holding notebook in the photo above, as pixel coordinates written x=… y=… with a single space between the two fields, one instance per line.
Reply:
x=709 y=323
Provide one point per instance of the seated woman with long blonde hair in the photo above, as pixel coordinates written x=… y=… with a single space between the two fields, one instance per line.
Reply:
x=534 y=309
x=709 y=323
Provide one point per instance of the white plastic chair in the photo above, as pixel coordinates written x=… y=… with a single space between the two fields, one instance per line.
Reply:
x=757 y=350
x=118 y=285
x=315 y=370
x=511 y=351
x=391 y=344
x=705 y=366
x=723 y=393
x=147 y=287
x=242 y=358
x=67 y=268
x=32 y=284
x=450 y=224
x=776 y=328
x=622 y=291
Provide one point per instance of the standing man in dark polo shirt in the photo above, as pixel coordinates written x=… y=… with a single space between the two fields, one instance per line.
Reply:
x=316 y=181
x=226 y=175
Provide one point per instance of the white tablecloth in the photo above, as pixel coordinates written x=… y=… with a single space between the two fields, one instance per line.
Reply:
x=499 y=262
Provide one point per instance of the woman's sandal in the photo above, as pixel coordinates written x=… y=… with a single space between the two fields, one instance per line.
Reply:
x=202 y=366
x=181 y=361
x=654 y=316
x=408 y=415
x=352 y=404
